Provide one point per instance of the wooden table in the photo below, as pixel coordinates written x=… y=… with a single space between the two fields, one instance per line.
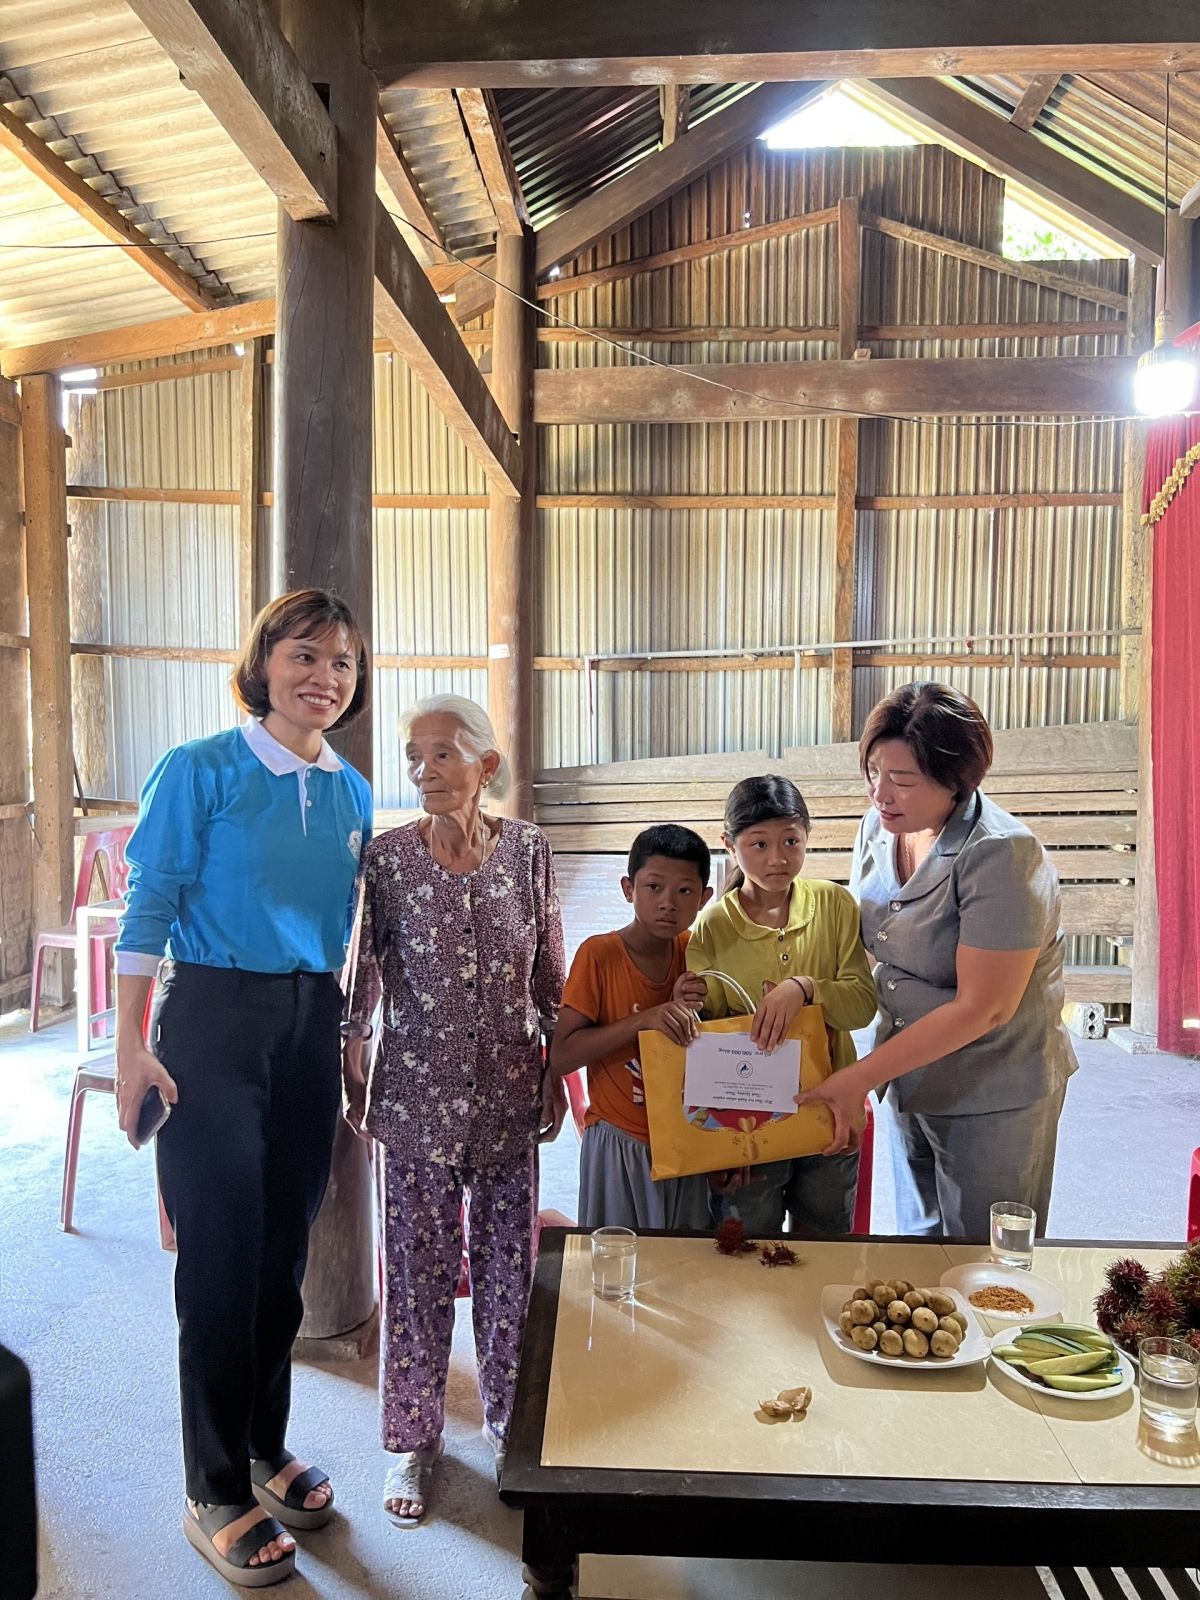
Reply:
x=635 y=1429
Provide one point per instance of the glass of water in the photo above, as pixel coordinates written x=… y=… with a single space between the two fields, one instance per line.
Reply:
x=614 y=1263
x=1012 y=1234
x=1168 y=1374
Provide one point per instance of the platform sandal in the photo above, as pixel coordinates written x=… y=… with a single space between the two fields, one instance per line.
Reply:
x=291 y=1509
x=202 y=1525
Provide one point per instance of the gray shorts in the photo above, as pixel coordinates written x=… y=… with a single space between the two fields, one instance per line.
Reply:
x=617 y=1191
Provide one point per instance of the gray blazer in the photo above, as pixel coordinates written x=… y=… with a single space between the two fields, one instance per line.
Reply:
x=988 y=883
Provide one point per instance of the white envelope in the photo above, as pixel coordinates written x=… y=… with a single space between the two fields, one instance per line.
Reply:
x=726 y=1072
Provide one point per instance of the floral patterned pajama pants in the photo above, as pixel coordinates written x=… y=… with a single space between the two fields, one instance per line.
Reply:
x=421 y=1216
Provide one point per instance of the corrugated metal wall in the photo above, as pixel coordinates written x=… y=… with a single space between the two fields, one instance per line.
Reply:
x=642 y=580
x=430 y=566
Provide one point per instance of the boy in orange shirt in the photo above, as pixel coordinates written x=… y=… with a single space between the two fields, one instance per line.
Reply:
x=621 y=984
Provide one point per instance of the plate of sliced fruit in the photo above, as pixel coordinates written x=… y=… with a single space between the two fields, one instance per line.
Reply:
x=1068 y=1360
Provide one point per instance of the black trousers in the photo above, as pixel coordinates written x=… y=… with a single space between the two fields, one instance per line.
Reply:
x=243 y=1162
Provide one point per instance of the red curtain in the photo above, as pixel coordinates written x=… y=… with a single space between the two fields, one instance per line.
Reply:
x=1175 y=681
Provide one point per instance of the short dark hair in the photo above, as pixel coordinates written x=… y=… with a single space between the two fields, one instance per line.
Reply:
x=303 y=614
x=945 y=730
x=676 y=843
x=764 y=799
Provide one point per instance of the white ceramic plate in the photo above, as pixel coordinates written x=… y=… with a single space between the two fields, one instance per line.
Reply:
x=1047 y=1297
x=971 y=1351
x=1007 y=1335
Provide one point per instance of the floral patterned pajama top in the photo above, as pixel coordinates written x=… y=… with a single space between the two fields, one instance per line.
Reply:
x=463 y=964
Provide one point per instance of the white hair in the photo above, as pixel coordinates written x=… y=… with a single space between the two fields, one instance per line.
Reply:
x=476 y=726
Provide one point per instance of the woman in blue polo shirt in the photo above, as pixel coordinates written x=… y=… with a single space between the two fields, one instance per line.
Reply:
x=244 y=861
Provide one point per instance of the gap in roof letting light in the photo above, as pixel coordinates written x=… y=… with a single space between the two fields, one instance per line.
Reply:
x=840 y=119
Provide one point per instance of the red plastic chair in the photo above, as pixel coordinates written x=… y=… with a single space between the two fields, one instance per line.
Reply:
x=103 y=856
x=1193 y=1223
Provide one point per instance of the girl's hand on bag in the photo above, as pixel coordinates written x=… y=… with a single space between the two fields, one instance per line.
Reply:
x=777 y=1010
x=844 y=1096
x=138 y=1071
x=690 y=990
x=354 y=1086
x=729 y=1181
x=674 y=1019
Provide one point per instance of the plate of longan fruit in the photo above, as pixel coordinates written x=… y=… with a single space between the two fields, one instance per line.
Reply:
x=894 y=1323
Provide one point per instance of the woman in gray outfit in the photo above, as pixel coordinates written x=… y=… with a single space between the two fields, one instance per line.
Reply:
x=961 y=917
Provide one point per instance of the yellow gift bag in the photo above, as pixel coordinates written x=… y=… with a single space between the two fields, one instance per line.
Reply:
x=679 y=1146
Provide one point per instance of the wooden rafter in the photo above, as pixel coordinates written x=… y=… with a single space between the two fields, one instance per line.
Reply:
x=409 y=313
x=1035 y=99
x=1039 y=166
x=143 y=341
x=398 y=175
x=497 y=168
x=232 y=54
x=999 y=386
x=36 y=155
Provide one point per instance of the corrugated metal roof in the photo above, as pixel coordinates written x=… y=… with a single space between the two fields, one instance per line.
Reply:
x=1113 y=123
x=566 y=143
x=430 y=130
x=116 y=101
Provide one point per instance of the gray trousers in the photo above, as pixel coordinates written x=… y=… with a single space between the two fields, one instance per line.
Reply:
x=958 y=1166
x=816 y=1191
x=617 y=1191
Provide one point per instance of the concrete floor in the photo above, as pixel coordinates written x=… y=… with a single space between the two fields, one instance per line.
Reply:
x=91 y=1315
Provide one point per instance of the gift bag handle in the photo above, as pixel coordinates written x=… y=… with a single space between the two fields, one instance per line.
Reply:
x=723 y=977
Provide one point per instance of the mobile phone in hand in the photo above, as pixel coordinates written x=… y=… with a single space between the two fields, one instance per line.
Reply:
x=155 y=1111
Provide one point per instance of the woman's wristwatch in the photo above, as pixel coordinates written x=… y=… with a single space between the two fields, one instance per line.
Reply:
x=356 y=1030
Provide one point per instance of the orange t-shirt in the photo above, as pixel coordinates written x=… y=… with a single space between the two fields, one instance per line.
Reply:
x=604 y=985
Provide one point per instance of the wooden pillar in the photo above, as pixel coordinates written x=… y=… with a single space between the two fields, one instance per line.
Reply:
x=44 y=472
x=16 y=850
x=322 y=537
x=324 y=362
x=511 y=525
x=250 y=597
x=846 y=484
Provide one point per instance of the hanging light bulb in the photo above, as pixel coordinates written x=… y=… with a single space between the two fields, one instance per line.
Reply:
x=1165 y=381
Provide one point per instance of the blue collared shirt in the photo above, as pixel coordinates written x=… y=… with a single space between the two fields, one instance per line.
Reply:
x=245 y=856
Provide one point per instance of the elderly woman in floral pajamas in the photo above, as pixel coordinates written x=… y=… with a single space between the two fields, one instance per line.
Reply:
x=460 y=938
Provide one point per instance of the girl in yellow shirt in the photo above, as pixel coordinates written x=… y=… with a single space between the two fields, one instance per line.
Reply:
x=795 y=942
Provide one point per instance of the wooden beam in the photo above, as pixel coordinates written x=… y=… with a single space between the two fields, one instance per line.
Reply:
x=512 y=526
x=143 y=341
x=398 y=175
x=1031 y=161
x=673 y=107
x=687 y=252
x=496 y=165
x=841 y=687
x=232 y=54
x=44 y=474
x=1189 y=206
x=906 y=332
x=154 y=652
x=1035 y=100
x=124 y=494
x=999 y=386
x=579 y=44
x=36 y=155
x=652 y=180
x=1136 y=541
x=409 y=313
x=251 y=586
x=1026 y=271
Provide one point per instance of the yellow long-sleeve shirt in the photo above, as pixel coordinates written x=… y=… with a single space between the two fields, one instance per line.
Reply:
x=821 y=941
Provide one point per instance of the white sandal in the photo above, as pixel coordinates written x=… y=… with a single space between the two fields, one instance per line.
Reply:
x=411 y=1479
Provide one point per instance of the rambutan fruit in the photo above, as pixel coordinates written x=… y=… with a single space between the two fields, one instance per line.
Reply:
x=1129 y=1332
x=1127 y=1278
x=1110 y=1308
x=1160 y=1306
